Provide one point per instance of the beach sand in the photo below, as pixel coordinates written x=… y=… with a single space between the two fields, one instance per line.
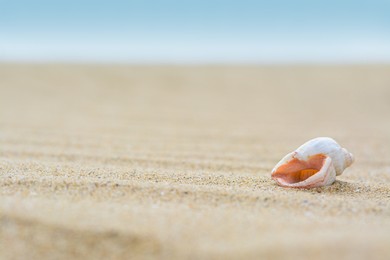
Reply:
x=173 y=162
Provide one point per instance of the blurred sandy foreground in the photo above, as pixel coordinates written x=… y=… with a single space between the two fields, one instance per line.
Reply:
x=174 y=162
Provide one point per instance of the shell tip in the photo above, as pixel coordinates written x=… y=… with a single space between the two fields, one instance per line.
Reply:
x=349 y=158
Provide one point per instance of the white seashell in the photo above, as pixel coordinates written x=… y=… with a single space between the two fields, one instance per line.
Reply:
x=315 y=163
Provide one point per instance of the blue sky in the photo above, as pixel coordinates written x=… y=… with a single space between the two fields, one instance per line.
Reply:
x=195 y=31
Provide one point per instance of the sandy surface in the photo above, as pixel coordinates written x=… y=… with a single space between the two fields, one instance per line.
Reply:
x=174 y=162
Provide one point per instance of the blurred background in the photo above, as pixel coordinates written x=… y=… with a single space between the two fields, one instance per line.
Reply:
x=217 y=31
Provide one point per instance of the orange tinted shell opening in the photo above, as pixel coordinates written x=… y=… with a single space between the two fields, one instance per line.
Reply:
x=296 y=170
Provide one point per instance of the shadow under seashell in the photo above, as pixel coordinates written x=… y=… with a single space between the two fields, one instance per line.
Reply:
x=337 y=187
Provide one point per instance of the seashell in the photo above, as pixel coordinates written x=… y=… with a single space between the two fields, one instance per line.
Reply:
x=315 y=163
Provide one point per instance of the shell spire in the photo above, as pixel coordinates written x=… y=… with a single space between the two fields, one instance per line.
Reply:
x=315 y=163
